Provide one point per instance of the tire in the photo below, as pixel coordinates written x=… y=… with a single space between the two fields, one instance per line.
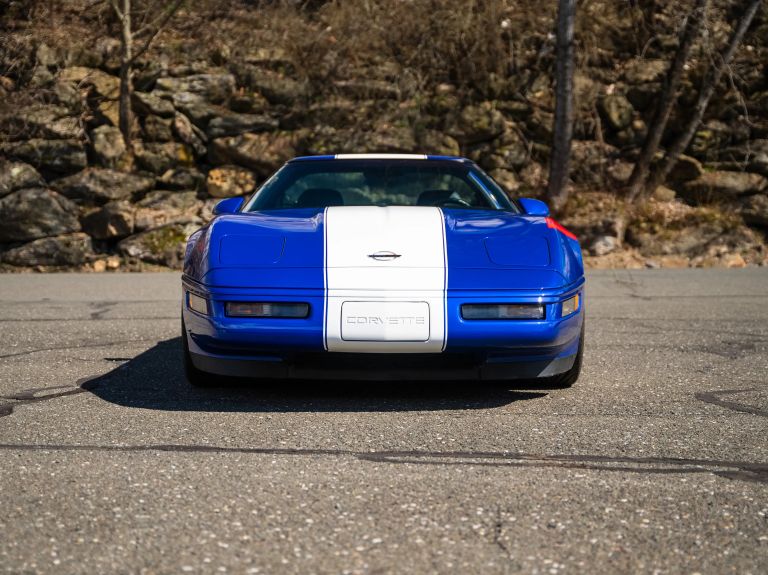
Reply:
x=195 y=377
x=568 y=378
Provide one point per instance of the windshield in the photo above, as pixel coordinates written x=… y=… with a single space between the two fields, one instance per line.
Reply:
x=324 y=183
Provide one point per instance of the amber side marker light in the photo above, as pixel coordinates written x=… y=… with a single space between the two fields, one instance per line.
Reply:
x=551 y=223
x=570 y=306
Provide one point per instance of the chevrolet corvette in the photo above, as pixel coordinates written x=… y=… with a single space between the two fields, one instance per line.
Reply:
x=383 y=267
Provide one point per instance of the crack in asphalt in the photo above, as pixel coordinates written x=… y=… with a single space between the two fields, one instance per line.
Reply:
x=741 y=470
x=713 y=397
x=81 y=346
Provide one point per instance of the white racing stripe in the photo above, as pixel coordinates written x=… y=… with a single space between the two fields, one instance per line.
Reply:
x=394 y=304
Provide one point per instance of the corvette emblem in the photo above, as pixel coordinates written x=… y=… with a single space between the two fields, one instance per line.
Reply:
x=384 y=256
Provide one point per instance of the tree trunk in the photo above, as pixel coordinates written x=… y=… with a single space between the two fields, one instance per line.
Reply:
x=559 y=167
x=708 y=88
x=689 y=33
x=126 y=75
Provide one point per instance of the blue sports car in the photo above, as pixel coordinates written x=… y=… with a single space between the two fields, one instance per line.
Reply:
x=383 y=266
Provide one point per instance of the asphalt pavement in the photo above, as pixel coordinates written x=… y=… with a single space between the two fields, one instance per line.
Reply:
x=655 y=462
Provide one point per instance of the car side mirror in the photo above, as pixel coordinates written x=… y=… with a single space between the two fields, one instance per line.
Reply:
x=534 y=207
x=228 y=206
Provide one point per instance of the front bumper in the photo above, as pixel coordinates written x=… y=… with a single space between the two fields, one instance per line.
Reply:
x=293 y=348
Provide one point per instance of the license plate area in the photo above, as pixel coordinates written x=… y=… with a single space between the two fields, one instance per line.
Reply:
x=385 y=321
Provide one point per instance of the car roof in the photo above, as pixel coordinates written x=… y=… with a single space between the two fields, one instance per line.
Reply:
x=381 y=157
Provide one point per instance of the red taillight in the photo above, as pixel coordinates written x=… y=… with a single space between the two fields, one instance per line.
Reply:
x=556 y=226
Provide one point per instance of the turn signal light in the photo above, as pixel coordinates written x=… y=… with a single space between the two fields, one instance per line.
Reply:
x=502 y=311
x=551 y=223
x=570 y=306
x=197 y=303
x=267 y=309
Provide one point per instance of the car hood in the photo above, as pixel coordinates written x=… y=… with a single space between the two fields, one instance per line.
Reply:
x=480 y=249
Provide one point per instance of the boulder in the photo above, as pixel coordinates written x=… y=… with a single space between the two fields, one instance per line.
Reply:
x=197 y=109
x=215 y=88
x=717 y=186
x=41 y=121
x=388 y=138
x=438 y=143
x=18 y=175
x=181 y=179
x=277 y=88
x=164 y=245
x=236 y=124
x=100 y=82
x=36 y=213
x=108 y=146
x=228 y=181
x=477 y=123
x=754 y=210
x=641 y=71
x=616 y=110
x=603 y=245
x=685 y=170
x=364 y=89
x=164 y=207
x=60 y=156
x=190 y=134
x=114 y=220
x=66 y=250
x=506 y=179
x=110 y=111
x=102 y=185
x=157 y=129
x=157 y=158
x=263 y=153
x=146 y=103
x=509 y=150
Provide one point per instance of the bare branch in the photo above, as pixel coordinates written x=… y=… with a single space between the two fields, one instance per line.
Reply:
x=154 y=28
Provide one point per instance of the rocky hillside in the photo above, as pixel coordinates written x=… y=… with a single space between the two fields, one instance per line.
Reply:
x=234 y=88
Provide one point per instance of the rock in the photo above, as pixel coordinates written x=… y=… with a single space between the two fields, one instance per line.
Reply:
x=17 y=175
x=712 y=136
x=604 y=245
x=733 y=261
x=275 y=87
x=108 y=146
x=146 y=103
x=754 y=210
x=271 y=57
x=477 y=123
x=249 y=103
x=229 y=181
x=164 y=245
x=620 y=172
x=364 y=89
x=686 y=169
x=616 y=110
x=164 y=207
x=664 y=194
x=642 y=71
x=263 y=153
x=36 y=213
x=157 y=129
x=181 y=179
x=65 y=250
x=157 y=158
x=506 y=179
x=110 y=111
x=389 y=138
x=101 y=185
x=215 y=88
x=41 y=121
x=752 y=156
x=197 y=108
x=101 y=83
x=717 y=186
x=236 y=124
x=189 y=134
x=114 y=220
x=438 y=143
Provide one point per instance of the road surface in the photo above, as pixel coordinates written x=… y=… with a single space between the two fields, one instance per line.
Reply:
x=656 y=462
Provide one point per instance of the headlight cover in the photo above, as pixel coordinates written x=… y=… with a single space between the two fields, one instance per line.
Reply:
x=502 y=311
x=569 y=306
x=267 y=309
